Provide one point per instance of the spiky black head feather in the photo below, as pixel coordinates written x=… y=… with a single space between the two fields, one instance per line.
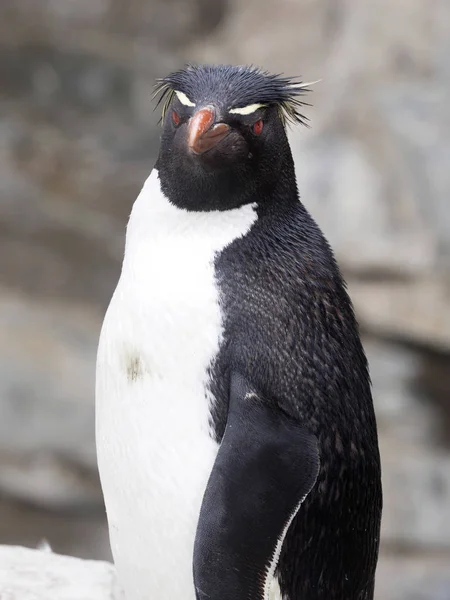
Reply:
x=224 y=141
x=236 y=86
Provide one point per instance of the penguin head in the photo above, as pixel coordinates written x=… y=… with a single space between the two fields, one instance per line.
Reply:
x=224 y=140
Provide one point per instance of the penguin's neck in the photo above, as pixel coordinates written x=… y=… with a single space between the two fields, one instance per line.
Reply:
x=283 y=192
x=197 y=191
x=154 y=218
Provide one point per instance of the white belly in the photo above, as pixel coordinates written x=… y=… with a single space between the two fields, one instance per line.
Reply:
x=155 y=449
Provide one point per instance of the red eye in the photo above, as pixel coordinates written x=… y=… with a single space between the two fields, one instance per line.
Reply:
x=258 y=127
x=175 y=118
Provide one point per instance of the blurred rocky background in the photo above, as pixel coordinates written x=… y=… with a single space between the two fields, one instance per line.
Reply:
x=77 y=139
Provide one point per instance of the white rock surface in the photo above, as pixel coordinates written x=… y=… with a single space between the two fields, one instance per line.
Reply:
x=42 y=575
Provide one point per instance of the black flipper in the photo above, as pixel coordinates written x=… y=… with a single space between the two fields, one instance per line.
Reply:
x=266 y=465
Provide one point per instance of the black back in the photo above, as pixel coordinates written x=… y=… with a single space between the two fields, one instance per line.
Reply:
x=290 y=330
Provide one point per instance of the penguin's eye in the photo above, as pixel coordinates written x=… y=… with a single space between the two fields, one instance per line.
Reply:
x=258 y=127
x=175 y=118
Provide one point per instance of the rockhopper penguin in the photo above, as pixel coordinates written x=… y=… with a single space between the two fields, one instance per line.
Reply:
x=236 y=436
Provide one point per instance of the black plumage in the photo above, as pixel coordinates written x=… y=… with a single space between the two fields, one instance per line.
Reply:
x=289 y=326
x=291 y=331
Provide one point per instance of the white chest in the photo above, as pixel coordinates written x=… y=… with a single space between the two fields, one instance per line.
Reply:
x=162 y=330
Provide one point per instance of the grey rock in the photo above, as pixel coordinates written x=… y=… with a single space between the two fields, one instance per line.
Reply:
x=416 y=485
x=78 y=532
x=416 y=117
x=47 y=450
x=421 y=577
x=47 y=377
x=413 y=311
x=404 y=413
x=346 y=194
x=415 y=466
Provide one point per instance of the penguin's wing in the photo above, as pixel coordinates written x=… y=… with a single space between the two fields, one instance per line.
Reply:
x=266 y=465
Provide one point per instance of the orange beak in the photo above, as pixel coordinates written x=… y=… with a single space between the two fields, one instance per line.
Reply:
x=201 y=136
